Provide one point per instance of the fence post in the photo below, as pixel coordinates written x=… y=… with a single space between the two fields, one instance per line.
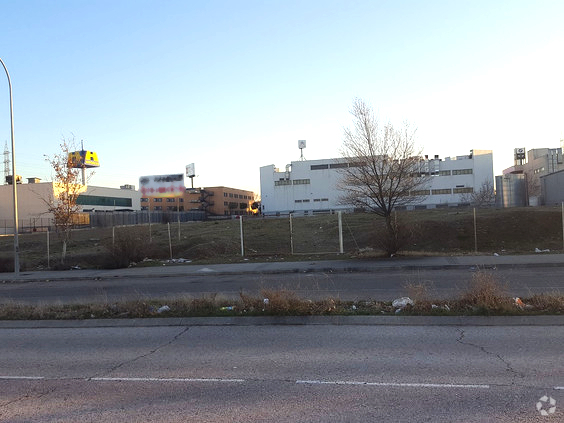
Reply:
x=291 y=236
x=475 y=233
x=241 y=229
x=48 y=254
x=341 y=250
x=169 y=240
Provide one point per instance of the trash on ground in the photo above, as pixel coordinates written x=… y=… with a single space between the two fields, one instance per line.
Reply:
x=163 y=309
x=266 y=301
x=402 y=302
x=538 y=250
x=227 y=308
x=496 y=255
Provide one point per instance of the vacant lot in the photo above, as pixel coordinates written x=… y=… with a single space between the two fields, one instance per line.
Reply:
x=440 y=231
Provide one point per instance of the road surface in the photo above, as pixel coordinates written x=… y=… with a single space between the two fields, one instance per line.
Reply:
x=282 y=373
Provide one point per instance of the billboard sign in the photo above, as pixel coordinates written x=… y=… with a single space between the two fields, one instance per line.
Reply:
x=81 y=159
x=162 y=185
x=190 y=170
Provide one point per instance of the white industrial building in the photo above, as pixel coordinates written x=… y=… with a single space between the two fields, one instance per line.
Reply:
x=34 y=196
x=312 y=186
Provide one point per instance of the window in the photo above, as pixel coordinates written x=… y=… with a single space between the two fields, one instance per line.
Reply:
x=225 y=194
x=231 y=195
x=462 y=172
x=306 y=201
x=420 y=192
x=338 y=165
x=144 y=200
x=225 y=203
x=319 y=167
x=440 y=191
x=468 y=190
x=301 y=181
x=96 y=200
x=144 y=208
x=181 y=200
x=157 y=208
x=297 y=201
x=157 y=200
x=171 y=200
x=444 y=172
x=171 y=208
x=282 y=182
x=316 y=200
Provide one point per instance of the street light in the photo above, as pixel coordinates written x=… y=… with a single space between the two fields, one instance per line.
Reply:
x=14 y=179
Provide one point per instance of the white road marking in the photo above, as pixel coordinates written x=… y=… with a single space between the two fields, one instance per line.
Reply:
x=392 y=384
x=163 y=379
x=22 y=378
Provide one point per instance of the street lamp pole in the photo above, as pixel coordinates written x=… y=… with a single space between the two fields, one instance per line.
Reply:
x=14 y=179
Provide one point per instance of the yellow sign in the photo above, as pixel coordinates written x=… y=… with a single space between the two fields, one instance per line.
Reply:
x=82 y=158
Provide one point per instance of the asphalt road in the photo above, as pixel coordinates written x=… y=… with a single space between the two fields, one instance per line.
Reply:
x=383 y=284
x=282 y=373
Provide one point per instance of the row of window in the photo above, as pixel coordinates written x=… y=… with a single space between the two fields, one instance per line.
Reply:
x=342 y=165
x=459 y=190
x=160 y=200
x=315 y=200
x=292 y=182
x=241 y=196
x=159 y=208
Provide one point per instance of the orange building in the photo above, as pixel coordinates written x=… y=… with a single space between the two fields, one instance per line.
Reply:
x=215 y=201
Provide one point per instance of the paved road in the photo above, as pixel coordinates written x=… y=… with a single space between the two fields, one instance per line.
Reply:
x=350 y=280
x=281 y=373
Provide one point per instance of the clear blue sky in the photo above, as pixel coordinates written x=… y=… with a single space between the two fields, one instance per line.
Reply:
x=153 y=85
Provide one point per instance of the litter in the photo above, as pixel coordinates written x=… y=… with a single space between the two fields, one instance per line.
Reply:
x=538 y=250
x=228 y=308
x=402 y=302
x=163 y=309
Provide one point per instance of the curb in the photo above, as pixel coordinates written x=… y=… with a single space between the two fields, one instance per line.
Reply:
x=290 y=321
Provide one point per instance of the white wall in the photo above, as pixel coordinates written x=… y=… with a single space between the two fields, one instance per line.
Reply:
x=324 y=183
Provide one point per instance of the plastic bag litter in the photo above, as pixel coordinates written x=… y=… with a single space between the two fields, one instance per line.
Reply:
x=402 y=302
x=163 y=309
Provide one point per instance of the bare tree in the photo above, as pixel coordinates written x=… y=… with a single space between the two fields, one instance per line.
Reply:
x=384 y=170
x=66 y=189
x=484 y=197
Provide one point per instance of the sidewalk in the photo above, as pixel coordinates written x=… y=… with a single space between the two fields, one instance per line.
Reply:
x=373 y=265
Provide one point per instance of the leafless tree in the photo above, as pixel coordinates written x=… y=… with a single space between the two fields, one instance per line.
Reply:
x=384 y=169
x=483 y=197
x=67 y=187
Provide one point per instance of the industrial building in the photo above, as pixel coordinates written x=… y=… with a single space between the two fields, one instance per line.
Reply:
x=525 y=183
x=312 y=186
x=34 y=197
x=214 y=201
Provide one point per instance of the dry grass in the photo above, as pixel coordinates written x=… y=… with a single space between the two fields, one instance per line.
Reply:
x=485 y=296
x=440 y=231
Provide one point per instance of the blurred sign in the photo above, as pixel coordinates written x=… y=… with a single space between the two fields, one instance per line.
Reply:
x=190 y=170
x=162 y=185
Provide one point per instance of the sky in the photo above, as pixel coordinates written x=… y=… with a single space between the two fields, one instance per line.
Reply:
x=154 y=85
